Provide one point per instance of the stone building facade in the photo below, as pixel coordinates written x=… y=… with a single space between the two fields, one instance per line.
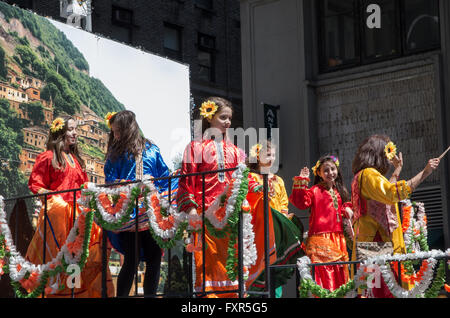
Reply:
x=337 y=82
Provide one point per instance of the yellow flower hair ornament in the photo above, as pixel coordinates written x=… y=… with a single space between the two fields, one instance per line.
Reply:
x=390 y=150
x=57 y=125
x=314 y=169
x=208 y=109
x=108 y=118
x=255 y=151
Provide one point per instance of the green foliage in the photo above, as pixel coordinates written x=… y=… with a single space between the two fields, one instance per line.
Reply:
x=3 y=65
x=11 y=139
x=67 y=71
x=90 y=150
x=35 y=111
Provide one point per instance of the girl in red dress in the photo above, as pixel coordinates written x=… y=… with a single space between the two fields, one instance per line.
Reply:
x=213 y=152
x=328 y=201
x=62 y=168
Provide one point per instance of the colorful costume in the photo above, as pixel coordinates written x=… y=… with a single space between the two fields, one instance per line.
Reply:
x=45 y=178
x=124 y=168
x=287 y=234
x=376 y=215
x=202 y=156
x=326 y=242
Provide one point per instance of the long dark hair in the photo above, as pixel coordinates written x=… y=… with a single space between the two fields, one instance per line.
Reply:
x=131 y=141
x=370 y=154
x=221 y=103
x=55 y=143
x=339 y=182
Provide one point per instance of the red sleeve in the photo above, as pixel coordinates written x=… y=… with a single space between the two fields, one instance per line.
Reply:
x=40 y=175
x=301 y=197
x=186 y=186
x=344 y=206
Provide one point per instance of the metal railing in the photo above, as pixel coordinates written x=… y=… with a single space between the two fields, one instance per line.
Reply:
x=269 y=290
x=240 y=290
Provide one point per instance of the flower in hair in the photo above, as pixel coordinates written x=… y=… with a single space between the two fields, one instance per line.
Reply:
x=208 y=109
x=255 y=151
x=316 y=167
x=108 y=118
x=390 y=150
x=57 y=125
x=335 y=160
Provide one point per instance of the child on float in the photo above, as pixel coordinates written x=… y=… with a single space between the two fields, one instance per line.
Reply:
x=288 y=230
x=374 y=197
x=328 y=201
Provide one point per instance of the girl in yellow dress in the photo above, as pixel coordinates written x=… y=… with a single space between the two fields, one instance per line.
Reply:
x=374 y=197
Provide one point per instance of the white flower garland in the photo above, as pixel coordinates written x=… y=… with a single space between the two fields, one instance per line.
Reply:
x=386 y=272
x=249 y=250
x=178 y=217
x=107 y=217
x=19 y=267
x=417 y=226
x=231 y=201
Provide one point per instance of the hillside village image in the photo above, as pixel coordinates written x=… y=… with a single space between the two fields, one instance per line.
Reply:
x=253 y=150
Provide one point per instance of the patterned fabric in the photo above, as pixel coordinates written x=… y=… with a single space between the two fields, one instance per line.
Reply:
x=202 y=156
x=124 y=168
x=325 y=248
x=324 y=218
x=60 y=221
x=373 y=226
x=382 y=211
x=277 y=192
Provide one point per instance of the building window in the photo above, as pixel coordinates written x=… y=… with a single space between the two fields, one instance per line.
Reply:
x=421 y=25
x=407 y=26
x=172 y=41
x=123 y=19
x=206 y=57
x=204 y=4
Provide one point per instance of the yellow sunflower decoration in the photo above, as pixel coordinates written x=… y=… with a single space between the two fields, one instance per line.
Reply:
x=255 y=151
x=208 y=109
x=390 y=150
x=57 y=125
x=108 y=118
x=314 y=169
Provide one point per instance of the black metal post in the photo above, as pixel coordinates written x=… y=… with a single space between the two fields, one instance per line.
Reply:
x=241 y=254
x=136 y=248
x=266 y=234
x=169 y=251
x=45 y=234
x=104 y=264
x=74 y=216
x=203 y=234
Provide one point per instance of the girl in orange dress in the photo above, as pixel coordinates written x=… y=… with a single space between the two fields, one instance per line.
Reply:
x=213 y=152
x=328 y=201
x=61 y=168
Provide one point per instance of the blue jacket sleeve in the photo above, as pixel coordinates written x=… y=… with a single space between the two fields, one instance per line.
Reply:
x=110 y=171
x=155 y=166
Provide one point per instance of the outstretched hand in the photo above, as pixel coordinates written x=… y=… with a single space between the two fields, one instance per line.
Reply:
x=304 y=173
x=431 y=166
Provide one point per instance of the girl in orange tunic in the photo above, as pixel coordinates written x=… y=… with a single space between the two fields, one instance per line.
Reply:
x=328 y=201
x=214 y=152
x=61 y=168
